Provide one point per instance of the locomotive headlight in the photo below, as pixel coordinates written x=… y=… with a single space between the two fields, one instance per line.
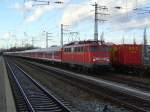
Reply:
x=107 y=59
x=94 y=59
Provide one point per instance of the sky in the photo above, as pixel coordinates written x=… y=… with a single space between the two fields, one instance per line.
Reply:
x=22 y=21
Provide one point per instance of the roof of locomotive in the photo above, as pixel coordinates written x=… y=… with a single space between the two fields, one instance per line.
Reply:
x=127 y=44
x=89 y=42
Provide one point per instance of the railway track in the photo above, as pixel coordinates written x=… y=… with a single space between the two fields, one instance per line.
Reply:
x=29 y=95
x=123 y=80
x=127 y=97
x=145 y=86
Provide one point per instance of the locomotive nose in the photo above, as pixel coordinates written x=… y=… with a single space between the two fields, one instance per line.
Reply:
x=101 y=60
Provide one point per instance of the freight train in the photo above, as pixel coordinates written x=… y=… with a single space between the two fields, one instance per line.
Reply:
x=91 y=54
x=131 y=58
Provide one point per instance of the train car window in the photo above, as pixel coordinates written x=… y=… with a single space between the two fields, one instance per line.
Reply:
x=82 y=50
x=56 y=53
x=66 y=49
x=69 y=49
x=74 y=49
x=79 y=49
x=86 y=49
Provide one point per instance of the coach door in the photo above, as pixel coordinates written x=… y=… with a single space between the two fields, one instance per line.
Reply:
x=85 y=55
x=72 y=54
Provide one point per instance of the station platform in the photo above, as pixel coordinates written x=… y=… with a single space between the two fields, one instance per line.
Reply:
x=6 y=97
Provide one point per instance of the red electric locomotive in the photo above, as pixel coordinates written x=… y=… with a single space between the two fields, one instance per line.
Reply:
x=87 y=54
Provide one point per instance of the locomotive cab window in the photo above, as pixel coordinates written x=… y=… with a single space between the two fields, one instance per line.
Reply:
x=93 y=48
x=103 y=49
x=99 y=49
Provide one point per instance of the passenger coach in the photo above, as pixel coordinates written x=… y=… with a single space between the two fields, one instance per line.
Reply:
x=85 y=54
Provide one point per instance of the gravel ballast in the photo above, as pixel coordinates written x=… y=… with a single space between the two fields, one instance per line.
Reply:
x=80 y=99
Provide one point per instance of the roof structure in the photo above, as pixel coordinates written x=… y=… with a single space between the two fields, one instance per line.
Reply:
x=58 y=48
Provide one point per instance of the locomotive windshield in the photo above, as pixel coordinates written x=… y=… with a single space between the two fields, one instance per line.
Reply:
x=99 y=49
x=94 y=49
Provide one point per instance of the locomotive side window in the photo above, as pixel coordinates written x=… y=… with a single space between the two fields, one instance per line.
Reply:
x=64 y=49
x=56 y=53
x=67 y=50
x=82 y=49
x=79 y=49
x=86 y=49
x=75 y=49
x=50 y=53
